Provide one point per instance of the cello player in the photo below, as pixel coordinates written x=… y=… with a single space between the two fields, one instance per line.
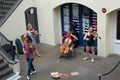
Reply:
x=67 y=43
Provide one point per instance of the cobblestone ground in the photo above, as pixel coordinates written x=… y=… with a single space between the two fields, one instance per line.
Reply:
x=50 y=62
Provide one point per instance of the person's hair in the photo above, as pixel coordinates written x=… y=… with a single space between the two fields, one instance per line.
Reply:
x=28 y=39
x=29 y=25
x=91 y=27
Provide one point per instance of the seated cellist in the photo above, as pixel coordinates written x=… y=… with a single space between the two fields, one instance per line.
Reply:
x=67 y=43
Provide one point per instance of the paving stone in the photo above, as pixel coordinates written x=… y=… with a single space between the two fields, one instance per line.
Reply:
x=50 y=62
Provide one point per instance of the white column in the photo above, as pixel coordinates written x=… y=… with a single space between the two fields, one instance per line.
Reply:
x=102 y=33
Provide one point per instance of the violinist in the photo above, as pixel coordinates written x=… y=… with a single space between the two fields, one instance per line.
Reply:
x=67 y=43
x=90 y=38
x=32 y=33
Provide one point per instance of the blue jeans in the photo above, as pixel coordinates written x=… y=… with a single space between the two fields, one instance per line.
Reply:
x=30 y=66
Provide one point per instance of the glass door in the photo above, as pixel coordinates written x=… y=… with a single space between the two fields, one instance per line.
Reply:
x=66 y=18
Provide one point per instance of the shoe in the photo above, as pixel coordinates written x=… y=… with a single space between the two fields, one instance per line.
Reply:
x=39 y=55
x=61 y=56
x=32 y=72
x=86 y=58
x=28 y=78
x=92 y=60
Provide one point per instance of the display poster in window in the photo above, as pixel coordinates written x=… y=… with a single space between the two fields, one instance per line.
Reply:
x=85 y=25
x=66 y=19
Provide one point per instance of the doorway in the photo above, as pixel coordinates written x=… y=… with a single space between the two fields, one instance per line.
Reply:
x=82 y=16
x=117 y=33
x=31 y=17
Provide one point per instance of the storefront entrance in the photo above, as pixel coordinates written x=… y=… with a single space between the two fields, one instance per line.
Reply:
x=117 y=33
x=78 y=17
x=31 y=17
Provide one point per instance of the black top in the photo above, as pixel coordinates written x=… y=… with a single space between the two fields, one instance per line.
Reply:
x=91 y=40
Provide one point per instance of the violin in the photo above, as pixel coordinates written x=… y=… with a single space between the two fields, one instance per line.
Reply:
x=94 y=33
x=34 y=32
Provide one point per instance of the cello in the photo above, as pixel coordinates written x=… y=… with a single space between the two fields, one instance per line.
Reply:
x=65 y=48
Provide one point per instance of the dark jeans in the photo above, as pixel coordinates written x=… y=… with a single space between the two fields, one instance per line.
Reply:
x=30 y=66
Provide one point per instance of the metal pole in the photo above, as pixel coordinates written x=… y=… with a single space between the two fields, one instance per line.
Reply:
x=99 y=76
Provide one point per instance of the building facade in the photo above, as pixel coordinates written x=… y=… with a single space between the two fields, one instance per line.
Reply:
x=57 y=16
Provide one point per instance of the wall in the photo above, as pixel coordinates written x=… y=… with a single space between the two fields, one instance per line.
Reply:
x=110 y=6
x=45 y=22
x=110 y=32
x=49 y=8
x=49 y=18
x=15 y=26
x=49 y=21
x=57 y=25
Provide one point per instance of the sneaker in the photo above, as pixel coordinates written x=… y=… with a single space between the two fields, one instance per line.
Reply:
x=28 y=78
x=61 y=56
x=39 y=55
x=92 y=60
x=32 y=72
x=86 y=58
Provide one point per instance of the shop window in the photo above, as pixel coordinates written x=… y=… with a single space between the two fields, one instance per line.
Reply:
x=85 y=19
x=118 y=26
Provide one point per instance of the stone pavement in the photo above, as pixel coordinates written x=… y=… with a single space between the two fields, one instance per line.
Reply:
x=50 y=62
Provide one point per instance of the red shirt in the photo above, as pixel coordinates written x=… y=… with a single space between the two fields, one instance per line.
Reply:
x=66 y=36
x=30 y=50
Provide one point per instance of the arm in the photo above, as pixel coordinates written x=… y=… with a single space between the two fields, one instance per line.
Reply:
x=74 y=37
x=35 y=32
x=61 y=41
x=24 y=51
x=95 y=35
x=85 y=37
